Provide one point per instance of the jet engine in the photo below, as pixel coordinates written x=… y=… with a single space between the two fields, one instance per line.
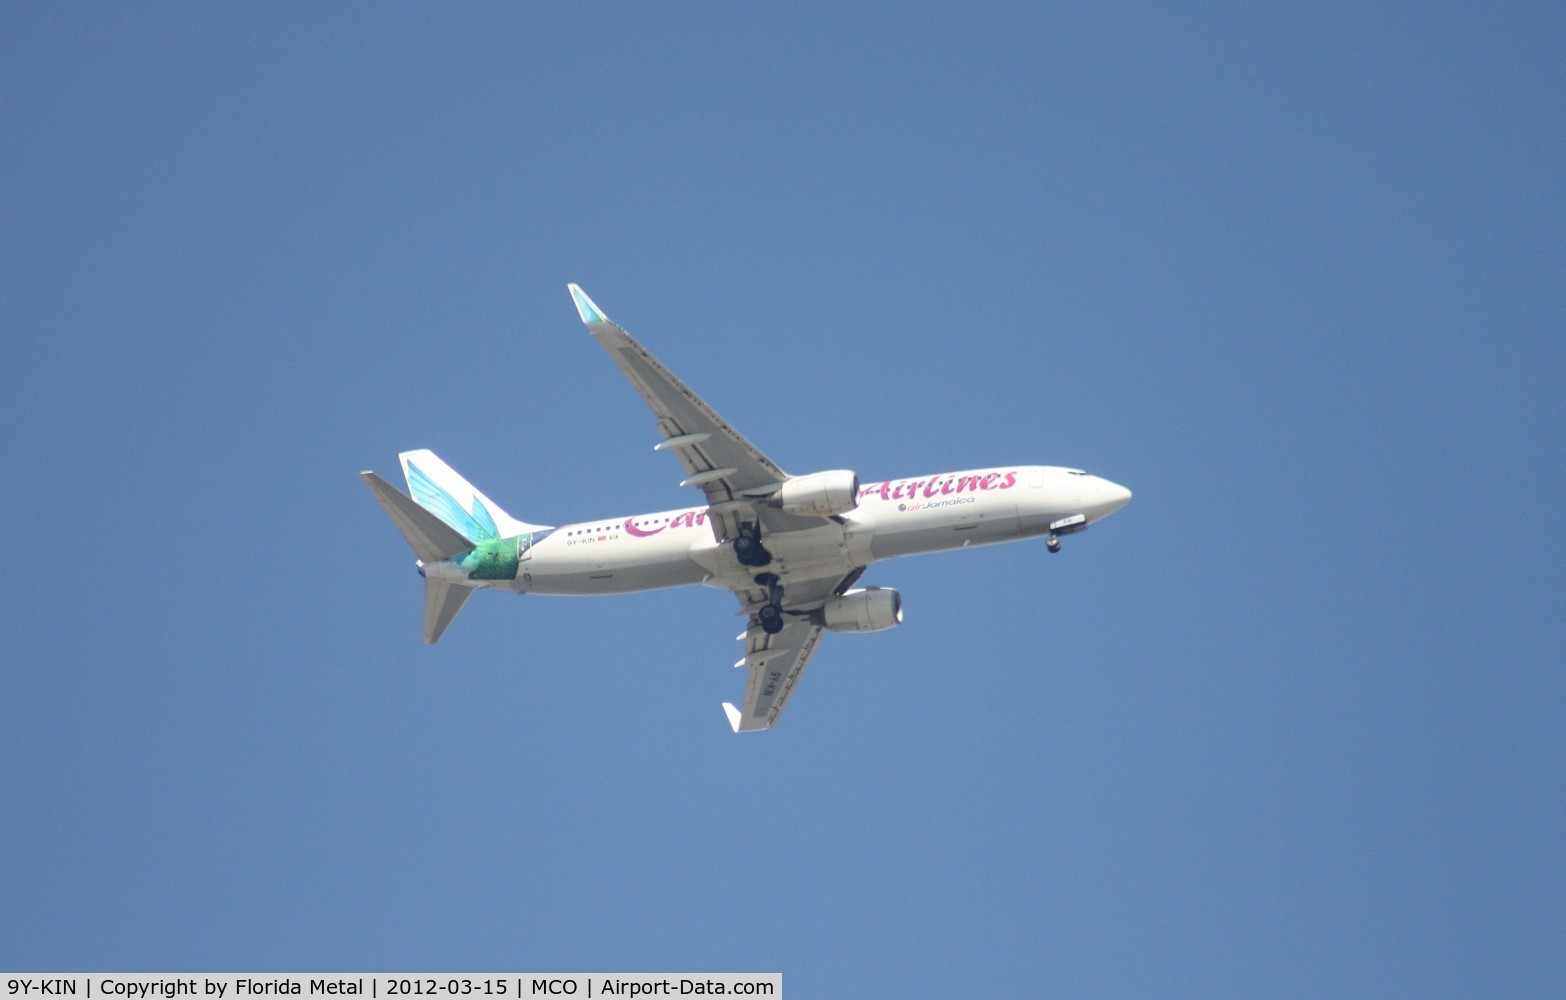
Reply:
x=870 y=610
x=822 y=494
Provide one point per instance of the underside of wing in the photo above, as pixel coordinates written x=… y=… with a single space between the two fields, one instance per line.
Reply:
x=775 y=664
x=777 y=661
x=732 y=472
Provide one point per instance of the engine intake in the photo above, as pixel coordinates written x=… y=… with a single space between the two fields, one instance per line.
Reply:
x=872 y=609
x=820 y=494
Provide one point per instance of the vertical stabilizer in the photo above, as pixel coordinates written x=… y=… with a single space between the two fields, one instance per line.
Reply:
x=442 y=601
x=439 y=489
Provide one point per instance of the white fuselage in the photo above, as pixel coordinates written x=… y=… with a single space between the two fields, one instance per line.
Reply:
x=898 y=517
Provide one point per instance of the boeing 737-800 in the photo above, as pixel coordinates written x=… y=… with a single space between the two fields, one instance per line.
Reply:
x=790 y=548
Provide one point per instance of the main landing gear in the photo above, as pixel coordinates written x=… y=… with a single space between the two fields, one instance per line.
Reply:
x=748 y=548
x=771 y=618
x=770 y=615
x=1052 y=542
x=750 y=552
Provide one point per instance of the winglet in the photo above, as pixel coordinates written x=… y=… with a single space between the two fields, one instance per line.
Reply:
x=733 y=714
x=585 y=307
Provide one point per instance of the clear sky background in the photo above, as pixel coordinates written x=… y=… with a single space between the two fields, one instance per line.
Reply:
x=1288 y=725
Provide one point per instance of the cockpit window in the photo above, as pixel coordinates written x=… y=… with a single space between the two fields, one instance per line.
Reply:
x=1075 y=472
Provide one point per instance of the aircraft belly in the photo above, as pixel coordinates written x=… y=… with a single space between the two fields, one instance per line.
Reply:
x=821 y=556
x=914 y=540
x=617 y=567
x=906 y=533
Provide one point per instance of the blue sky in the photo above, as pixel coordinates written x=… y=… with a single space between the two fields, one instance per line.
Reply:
x=1288 y=725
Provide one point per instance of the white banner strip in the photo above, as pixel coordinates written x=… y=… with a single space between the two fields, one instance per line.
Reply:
x=387 y=986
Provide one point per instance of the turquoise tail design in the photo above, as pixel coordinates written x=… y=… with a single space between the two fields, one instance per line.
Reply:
x=476 y=526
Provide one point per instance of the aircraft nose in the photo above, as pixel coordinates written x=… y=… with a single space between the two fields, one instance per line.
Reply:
x=1112 y=497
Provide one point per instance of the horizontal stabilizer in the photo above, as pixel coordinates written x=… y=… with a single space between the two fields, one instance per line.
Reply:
x=431 y=538
x=442 y=601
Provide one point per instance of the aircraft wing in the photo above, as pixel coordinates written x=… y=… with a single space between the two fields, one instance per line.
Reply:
x=731 y=471
x=776 y=662
x=736 y=478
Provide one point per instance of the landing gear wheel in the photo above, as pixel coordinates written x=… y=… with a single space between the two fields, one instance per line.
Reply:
x=749 y=550
x=771 y=618
x=1052 y=543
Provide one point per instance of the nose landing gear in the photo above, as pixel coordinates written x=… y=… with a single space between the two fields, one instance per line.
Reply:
x=1065 y=526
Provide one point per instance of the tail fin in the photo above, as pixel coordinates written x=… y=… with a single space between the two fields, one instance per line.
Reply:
x=440 y=490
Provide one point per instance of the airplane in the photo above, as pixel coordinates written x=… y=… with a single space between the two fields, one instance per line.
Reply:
x=790 y=548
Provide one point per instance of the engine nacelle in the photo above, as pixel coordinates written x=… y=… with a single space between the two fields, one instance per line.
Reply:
x=870 y=610
x=821 y=494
